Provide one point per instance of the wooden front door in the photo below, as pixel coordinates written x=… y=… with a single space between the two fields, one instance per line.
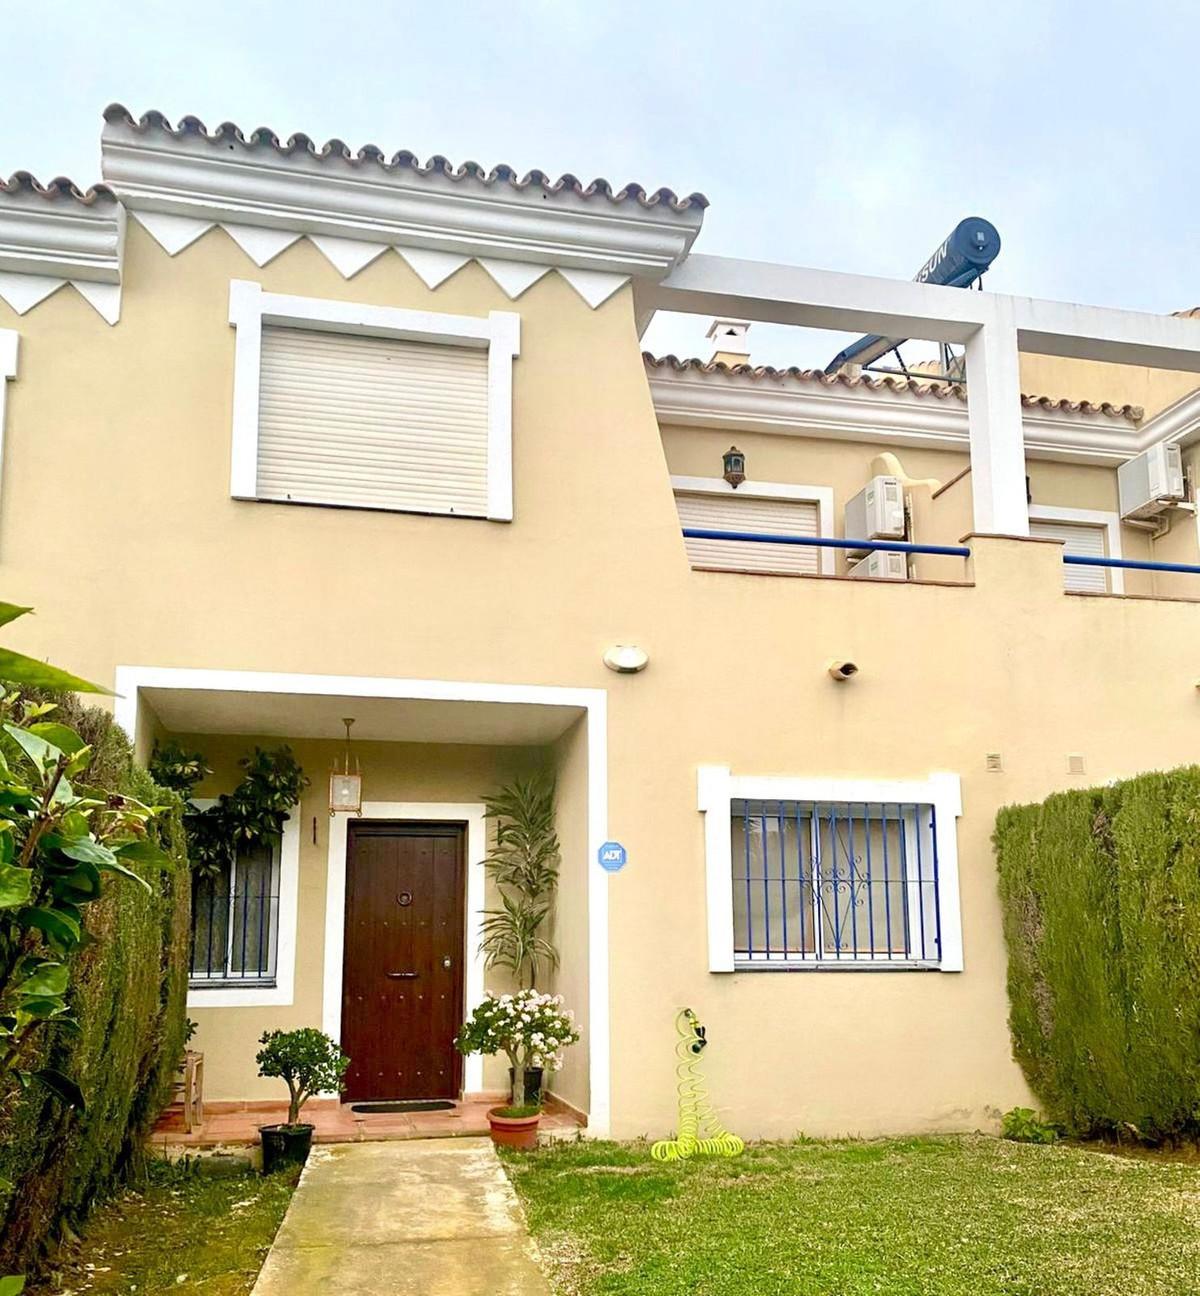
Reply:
x=402 y=988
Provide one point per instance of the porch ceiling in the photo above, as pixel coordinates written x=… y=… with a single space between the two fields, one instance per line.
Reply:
x=292 y=715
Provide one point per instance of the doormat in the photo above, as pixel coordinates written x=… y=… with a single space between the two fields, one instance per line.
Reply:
x=416 y=1105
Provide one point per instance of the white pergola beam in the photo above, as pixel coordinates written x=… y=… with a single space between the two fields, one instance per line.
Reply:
x=787 y=294
x=828 y=299
x=1101 y=333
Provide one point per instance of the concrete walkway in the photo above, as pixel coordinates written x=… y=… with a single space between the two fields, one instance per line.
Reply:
x=436 y=1217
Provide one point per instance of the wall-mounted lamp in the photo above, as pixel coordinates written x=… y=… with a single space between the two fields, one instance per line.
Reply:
x=735 y=466
x=626 y=659
x=345 y=787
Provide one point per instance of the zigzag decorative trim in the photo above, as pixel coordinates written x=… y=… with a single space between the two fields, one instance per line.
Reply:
x=349 y=256
x=25 y=291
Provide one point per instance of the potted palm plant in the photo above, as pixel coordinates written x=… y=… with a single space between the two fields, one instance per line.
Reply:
x=309 y=1062
x=523 y=864
x=532 y=1029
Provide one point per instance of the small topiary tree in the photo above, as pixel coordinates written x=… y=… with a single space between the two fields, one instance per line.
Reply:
x=307 y=1060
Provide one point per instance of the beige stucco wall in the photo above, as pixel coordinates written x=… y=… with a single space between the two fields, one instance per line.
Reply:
x=116 y=522
x=1096 y=381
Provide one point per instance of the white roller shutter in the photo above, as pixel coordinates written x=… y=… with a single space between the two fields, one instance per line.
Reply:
x=744 y=513
x=1088 y=542
x=373 y=422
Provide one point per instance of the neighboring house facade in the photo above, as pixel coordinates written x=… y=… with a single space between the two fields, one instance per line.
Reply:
x=293 y=434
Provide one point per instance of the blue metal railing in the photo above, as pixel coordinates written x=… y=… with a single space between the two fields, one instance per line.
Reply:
x=905 y=547
x=1136 y=564
x=822 y=542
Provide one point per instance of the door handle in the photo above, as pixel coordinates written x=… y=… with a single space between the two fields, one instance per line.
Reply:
x=402 y=976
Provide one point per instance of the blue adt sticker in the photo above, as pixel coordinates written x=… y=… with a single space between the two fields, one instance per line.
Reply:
x=612 y=856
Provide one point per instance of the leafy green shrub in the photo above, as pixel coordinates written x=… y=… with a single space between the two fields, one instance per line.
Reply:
x=127 y=992
x=308 y=1060
x=1022 y=1125
x=254 y=811
x=1101 y=896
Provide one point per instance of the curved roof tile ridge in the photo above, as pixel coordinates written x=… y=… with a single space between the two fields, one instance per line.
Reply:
x=502 y=174
x=59 y=187
x=881 y=382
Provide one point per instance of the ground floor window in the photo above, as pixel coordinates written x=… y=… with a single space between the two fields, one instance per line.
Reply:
x=235 y=920
x=811 y=873
x=816 y=881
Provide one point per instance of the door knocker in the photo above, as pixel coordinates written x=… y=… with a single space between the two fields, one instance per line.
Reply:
x=405 y=899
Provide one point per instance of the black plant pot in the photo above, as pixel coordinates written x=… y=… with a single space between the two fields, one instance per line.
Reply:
x=529 y=1094
x=284 y=1145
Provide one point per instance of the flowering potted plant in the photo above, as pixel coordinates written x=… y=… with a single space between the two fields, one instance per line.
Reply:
x=309 y=1062
x=532 y=1029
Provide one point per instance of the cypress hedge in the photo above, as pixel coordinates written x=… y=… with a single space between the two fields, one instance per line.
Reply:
x=1101 y=895
x=129 y=992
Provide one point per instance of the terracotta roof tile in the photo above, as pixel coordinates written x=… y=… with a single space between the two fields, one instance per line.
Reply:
x=262 y=137
x=59 y=187
x=879 y=382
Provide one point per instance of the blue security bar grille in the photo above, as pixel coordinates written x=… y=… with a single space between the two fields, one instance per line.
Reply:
x=235 y=921
x=835 y=884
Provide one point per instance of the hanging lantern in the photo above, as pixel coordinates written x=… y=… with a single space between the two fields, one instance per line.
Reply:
x=345 y=786
x=735 y=466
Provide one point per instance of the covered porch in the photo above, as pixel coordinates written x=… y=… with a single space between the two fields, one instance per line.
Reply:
x=321 y=933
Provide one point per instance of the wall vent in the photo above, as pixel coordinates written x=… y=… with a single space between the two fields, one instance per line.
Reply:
x=1075 y=763
x=993 y=764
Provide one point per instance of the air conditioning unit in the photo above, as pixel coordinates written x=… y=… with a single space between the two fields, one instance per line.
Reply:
x=883 y=564
x=1151 y=483
x=876 y=512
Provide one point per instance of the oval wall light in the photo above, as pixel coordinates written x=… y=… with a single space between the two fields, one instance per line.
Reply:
x=626 y=659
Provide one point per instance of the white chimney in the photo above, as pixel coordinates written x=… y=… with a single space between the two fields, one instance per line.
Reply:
x=730 y=345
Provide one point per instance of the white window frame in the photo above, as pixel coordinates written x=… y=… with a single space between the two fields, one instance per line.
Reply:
x=499 y=334
x=9 y=346
x=1089 y=517
x=282 y=993
x=821 y=496
x=717 y=789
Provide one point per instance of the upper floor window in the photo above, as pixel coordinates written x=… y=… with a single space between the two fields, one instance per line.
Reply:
x=1085 y=533
x=337 y=403
x=757 y=508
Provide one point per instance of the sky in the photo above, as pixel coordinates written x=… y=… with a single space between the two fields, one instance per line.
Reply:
x=843 y=137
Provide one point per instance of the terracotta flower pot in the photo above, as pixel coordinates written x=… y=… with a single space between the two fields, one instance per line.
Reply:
x=514 y=1131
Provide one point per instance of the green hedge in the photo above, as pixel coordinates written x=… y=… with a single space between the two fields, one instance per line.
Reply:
x=129 y=995
x=1101 y=896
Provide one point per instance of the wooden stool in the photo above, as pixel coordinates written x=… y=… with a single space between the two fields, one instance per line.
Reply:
x=193 y=1091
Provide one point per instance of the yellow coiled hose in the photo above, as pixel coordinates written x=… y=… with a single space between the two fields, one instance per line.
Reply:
x=694 y=1108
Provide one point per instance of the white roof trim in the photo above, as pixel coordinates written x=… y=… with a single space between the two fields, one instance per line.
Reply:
x=61 y=236
x=219 y=181
x=1179 y=422
x=837 y=412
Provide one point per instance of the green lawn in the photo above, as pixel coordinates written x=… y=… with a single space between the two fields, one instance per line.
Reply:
x=914 y=1217
x=182 y=1232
